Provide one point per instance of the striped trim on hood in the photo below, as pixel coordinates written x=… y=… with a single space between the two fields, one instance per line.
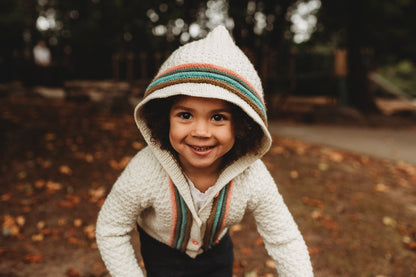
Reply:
x=210 y=74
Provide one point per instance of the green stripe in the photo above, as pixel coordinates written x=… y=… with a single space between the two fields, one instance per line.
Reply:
x=183 y=224
x=219 y=75
x=217 y=218
x=214 y=71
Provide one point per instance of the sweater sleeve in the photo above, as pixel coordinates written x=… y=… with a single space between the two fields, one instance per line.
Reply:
x=117 y=218
x=281 y=236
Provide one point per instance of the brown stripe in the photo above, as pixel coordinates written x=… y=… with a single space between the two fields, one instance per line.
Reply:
x=187 y=231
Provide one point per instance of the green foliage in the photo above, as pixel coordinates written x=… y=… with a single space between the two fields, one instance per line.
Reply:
x=402 y=75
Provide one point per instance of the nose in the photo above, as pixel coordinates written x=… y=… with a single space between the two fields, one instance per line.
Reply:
x=201 y=128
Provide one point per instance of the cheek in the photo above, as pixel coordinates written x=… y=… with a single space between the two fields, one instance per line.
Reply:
x=229 y=137
x=175 y=134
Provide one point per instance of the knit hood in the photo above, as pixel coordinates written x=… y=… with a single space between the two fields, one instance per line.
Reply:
x=213 y=67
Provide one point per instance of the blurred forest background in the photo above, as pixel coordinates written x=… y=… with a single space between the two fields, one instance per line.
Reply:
x=349 y=50
x=61 y=154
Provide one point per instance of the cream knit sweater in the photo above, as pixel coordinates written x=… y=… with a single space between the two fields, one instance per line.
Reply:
x=143 y=195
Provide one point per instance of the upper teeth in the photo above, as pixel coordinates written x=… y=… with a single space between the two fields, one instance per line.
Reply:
x=201 y=148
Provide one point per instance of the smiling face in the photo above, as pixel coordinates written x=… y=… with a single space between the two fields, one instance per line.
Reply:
x=201 y=132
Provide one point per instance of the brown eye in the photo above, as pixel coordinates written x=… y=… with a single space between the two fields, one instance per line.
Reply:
x=219 y=117
x=185 y=115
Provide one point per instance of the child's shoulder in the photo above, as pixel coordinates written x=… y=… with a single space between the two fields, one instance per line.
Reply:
x=256 y=168
x=143 y=154
x=144 y=160
x=141 y=170
x=254 y=173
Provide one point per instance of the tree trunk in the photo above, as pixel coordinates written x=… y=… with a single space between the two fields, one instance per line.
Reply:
x=359 y=95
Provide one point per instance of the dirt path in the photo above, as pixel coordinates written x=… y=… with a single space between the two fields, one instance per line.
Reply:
x=59 y=160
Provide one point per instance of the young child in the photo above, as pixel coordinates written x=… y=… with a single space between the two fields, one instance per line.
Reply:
x=204 y=120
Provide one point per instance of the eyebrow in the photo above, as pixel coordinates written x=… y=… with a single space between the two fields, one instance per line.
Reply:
x=223 y=110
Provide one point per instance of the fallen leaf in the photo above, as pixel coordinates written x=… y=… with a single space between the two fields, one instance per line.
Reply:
x=97 y=194
x=39 y=184
x=71 y=200
x=64 y=169
x=270 y=263
x=137 y=145
x=108 y=126
x=34 y=258
x=389 y=221
x=53 y=186
x=20 y=220
x=77 y=222
x=335 y=156
x=89 y=158
x=312 y=202
x=314 y=250
x=330 y=224
x=316 y=214
x=22 y=175
x=381 y=188
x=74 y=240
x=406 y=240
x=259 y=241
x=236 y=267
x=38 y=237
x=120 y=164
x=277 y=150
x=246 y=250
x=236 y=228
x=6 y=197
x=72 y=273
x=50 y=136
x=41 y=224
x=412 y=245
x=323 y=166
x=45 y=163
x=10 y=226
x=62 y=221
x=90 y=231
x=407 y=168
x=294 y=174
x=251 y=274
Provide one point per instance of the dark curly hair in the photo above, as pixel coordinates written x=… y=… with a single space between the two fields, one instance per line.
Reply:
x=248 y=134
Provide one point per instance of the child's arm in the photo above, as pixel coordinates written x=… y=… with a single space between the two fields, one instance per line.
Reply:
x=116 y=220
x=275 y=224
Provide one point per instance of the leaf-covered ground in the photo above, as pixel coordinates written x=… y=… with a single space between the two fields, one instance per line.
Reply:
x=59 y=160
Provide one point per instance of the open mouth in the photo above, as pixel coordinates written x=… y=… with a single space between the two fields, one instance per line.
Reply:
x=204 y=148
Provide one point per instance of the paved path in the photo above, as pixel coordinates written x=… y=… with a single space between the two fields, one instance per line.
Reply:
x=398 y=145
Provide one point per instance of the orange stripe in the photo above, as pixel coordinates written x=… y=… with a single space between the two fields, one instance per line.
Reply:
x=174 y=212
x=206 y=65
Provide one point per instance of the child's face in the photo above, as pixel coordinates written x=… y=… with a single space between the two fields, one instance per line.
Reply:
x=201 y=132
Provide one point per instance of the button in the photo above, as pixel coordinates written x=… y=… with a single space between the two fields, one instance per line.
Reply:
x=195 y=242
